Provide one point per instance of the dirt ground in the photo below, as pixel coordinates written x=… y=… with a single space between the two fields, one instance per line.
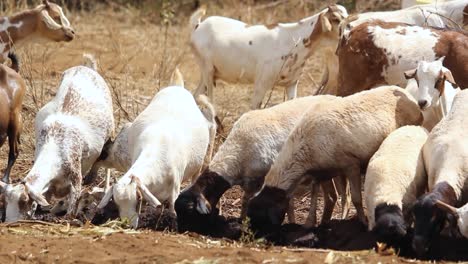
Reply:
x=136 y=56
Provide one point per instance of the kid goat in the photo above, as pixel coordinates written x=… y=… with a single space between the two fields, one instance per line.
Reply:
x=266 y=55
x=45 y=21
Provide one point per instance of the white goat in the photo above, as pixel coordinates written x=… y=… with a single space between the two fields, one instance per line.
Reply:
x=168 y=142
x=434 y=88
x=70 y=133
x=233 y=51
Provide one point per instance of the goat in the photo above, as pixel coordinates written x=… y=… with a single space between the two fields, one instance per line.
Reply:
x=70 y=132
x=434 y=88
x=266 y=55
x=46 y=21
x=12 y=89
x=168 y=143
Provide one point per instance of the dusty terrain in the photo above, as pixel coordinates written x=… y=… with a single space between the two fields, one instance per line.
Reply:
x=136 y=56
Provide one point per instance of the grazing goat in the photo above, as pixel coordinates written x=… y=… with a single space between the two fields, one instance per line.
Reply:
x=422 y=15
x=461 y=214
x=395 y=178
x=46 y=21
x=70 y=133
x=446 y=160
x=244 y=159
x=168 y=143
x=266 y=55
x=433 y=89
x=12 y=89
x=379 y=53
x=338 y=139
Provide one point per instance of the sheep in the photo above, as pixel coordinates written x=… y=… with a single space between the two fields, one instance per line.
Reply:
x=265 y=55
x=395 y=178
x=70 y=132
x=168 y=143
x=42 y=21
x=244 y=159
x=12 y=89
x=340 y=138
x=445 y=155
x=434 y=90
x=461 y=214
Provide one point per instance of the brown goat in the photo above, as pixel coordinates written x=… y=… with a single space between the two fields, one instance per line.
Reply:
x=12 y=88
x=45 y=21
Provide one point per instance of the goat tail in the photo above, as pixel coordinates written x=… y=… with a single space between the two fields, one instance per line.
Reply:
x=14 y=61
x=89 y=61
x=176 y=78
x=195 y=18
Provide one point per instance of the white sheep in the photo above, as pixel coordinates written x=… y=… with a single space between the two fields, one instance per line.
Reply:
x=234 y=51
x=168 y=142
x=70 y=132
x=244 y=159
x=446 y=160
x=395 y=178
x=338 y=139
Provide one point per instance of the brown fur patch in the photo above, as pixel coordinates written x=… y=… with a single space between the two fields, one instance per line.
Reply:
x=454 y=46
x=360 y=61
x=271 y=25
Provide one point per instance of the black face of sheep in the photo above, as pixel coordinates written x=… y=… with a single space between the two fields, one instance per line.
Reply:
x=390 y=226
x=267 y=210
x=429 y=220
x=193 y=211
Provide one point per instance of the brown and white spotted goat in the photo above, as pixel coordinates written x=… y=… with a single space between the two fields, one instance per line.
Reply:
x=70 y=133
x=377 y=53
x=12 y=88
x=46 y=21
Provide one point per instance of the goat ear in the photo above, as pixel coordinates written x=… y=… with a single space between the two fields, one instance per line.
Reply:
x=107 y=196
x=326 y=25
x=449 y=78
x=410 y=74
x=46 y=3
x=447 y=208
x=149 y=197
x=38 y=198
x=203 y=206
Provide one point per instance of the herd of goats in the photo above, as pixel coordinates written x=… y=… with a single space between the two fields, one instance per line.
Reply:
x=392 y=108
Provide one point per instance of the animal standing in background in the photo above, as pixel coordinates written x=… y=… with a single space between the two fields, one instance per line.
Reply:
x=395 y=178
x=339 y=138
x=168 y=143
x=421 y=15
x=434 y=88
x=265 y=55
x=46 y=21
x=12 y=89
x=446 y=159
x=245 y=158
x=70 y=132
x=377 y=53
